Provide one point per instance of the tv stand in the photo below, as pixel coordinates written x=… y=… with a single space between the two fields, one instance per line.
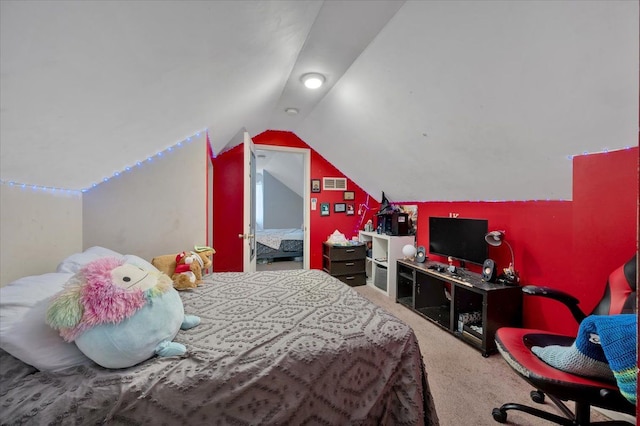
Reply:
x=463 y=304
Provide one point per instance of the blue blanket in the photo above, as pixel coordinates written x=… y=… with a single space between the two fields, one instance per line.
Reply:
x=605 y=348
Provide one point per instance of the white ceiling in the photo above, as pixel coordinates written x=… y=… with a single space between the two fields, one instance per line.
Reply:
x=426 y=100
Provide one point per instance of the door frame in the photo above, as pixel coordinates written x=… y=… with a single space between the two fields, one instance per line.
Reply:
x=306 y=210
x=249 y=209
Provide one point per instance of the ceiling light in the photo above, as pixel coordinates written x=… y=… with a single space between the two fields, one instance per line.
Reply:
x=313 y=80
x=291 y=111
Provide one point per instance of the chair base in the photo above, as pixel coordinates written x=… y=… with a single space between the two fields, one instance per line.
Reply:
x=582 y=416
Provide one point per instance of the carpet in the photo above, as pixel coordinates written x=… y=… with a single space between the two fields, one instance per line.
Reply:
x=465 y=386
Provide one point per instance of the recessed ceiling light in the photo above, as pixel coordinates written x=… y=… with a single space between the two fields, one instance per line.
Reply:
x=291 y=111
x=313 y=80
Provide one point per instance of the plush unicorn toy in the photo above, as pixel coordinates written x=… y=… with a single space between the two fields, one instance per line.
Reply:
x=119 y=314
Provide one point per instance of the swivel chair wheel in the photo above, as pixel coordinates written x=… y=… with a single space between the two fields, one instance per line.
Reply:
x=499 y=415
x=537 y=396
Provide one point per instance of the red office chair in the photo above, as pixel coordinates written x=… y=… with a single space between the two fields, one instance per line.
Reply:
x=515 y=345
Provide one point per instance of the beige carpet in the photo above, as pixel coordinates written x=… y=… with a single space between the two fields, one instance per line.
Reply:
x=465 y=385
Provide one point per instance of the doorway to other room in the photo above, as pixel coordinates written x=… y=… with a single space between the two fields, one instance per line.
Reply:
x=280 y=208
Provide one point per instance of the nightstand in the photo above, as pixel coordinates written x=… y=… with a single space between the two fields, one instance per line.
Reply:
x=346 y=263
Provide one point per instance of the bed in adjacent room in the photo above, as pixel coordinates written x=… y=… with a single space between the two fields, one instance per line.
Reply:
x=274 y=347
x=279 y=243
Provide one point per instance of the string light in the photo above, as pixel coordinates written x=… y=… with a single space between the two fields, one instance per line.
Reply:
x=604 y=150
x=147 y=160
x=106 y=179
x=363 y=209
x=52 y=189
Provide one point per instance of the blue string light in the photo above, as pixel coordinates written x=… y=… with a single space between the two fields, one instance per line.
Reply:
x=106 y=179
x=51 y=189
x=604 y=150
x=148 y=159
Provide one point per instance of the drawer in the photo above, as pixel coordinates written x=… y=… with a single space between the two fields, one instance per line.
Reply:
x=354 y=279
x=346 y=267
x=344 y=252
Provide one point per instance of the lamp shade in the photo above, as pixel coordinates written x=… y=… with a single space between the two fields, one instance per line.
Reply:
x=494 y=238
x=409 y=251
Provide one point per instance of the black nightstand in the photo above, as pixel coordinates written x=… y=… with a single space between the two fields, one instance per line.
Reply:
x=346 y=263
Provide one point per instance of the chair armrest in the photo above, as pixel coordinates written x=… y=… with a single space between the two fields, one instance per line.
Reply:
x=569 y=301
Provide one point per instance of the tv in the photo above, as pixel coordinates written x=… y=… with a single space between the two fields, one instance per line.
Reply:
x=462 y=239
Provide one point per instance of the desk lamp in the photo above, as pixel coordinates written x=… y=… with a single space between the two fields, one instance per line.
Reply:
x=496 y=238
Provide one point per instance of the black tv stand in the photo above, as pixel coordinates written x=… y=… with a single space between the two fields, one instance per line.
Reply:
x=464 y=305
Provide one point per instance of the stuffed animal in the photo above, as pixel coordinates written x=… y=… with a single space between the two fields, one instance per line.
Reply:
x=119 y=314
x=183 y=275
x=205 y=254
x=196 y=261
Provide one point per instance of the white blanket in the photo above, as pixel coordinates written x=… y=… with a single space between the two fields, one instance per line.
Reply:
x=273 y=237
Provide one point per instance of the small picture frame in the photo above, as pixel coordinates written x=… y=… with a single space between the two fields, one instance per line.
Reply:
x=315 y=185
x=351 y=209
x=349 y=195
x=324 y=209
x=339 y=207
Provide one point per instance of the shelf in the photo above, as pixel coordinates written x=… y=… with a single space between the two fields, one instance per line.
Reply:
x=405 y=275
x=385 y=250
x=406 y=301
x=473 y=339
x=439 y=314
x=445 y=300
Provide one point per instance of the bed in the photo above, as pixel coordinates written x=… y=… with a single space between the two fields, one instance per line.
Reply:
x=279 y=243
x=273 y=348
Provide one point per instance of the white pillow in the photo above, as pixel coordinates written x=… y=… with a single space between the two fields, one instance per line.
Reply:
x=76 y=261
x=24 y=332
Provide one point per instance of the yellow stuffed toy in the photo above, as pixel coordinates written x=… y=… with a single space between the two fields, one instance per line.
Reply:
x=185 y=269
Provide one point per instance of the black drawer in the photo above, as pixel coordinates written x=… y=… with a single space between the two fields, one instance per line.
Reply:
x=354 y=279
x=344 y=252
x=346 y=267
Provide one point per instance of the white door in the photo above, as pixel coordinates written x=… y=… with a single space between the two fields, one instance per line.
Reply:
x=249 y=222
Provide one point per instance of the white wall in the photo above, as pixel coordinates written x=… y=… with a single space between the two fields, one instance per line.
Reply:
x=282 y=207
x=38 y=229
x=157 y=208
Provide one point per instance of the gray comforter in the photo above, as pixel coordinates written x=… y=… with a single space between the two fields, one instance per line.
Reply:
x=273 y=348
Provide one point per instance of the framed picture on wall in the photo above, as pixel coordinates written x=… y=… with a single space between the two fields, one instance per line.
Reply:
x=350 y=209
x=339 y=208
x=349 y=195
x=324 y=209
x=315 y=185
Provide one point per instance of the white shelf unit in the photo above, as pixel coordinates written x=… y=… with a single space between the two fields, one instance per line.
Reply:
x=381 y=265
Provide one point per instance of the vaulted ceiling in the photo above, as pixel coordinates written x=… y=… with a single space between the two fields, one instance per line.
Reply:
x=425 y=100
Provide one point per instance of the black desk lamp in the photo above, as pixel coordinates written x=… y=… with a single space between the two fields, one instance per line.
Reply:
x=496 y=238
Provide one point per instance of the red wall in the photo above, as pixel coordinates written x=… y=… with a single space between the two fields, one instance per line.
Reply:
x=322 y=226
x=569 y=245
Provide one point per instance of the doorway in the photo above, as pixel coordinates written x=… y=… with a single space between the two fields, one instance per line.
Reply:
x=282 y=207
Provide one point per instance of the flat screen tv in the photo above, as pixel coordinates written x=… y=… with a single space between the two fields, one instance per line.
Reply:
x=462 y=239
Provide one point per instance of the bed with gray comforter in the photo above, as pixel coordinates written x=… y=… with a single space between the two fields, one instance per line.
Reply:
x=273 y=348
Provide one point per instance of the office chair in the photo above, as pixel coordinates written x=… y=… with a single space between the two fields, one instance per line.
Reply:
x=514 y=344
